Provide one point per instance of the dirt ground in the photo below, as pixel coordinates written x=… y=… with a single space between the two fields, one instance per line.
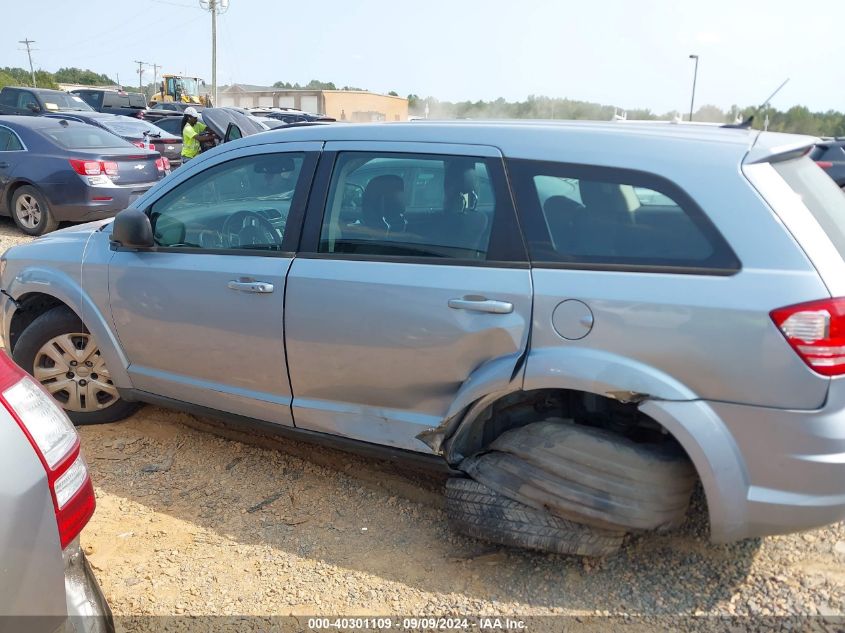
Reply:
x=189 y=522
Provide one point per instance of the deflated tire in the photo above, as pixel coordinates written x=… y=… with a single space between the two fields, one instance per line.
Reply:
x=588 y=475
x=478 y=511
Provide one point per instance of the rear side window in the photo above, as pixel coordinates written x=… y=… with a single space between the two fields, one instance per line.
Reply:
x=820 y=195
x=9 y=141
x=592 y=217
x=83 y=137
x=412 y=205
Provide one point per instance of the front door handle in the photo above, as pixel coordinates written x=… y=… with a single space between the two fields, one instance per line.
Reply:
x=476 y=303
x=242 y=285
x=4 y=165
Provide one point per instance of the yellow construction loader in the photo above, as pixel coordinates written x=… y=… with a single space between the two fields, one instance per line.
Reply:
x=181 y=89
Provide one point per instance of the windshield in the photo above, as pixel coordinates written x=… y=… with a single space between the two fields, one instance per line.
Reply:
x=65 y=101
x=83 y=137
x=820 y=194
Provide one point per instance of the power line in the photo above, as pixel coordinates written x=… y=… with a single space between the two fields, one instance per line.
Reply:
x=27 y=42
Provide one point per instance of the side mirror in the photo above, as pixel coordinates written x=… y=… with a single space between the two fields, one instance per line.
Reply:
x=33 y=107
x=132 y=230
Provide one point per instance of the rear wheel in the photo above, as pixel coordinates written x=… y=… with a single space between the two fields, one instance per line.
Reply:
x=31 y=212
x=59 y=351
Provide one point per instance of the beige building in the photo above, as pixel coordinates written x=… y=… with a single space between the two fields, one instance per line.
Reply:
x=357 y=106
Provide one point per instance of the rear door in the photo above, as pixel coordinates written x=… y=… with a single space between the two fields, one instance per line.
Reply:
x=389 y=313
x=11 y=150
x=200 y=316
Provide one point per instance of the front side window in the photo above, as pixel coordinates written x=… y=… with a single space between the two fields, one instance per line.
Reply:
x=587 y=215
x=240 y=204
x=414 y=205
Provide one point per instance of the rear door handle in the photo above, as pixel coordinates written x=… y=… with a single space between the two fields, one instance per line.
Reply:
x=260 y=287
x=475 y=303
x=4 y=165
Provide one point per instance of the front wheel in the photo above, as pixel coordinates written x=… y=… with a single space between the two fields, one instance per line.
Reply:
x=60 y=353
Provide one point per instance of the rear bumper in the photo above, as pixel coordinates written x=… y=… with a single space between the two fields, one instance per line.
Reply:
x=88 y=611
x=764 y=471
x=84 y=206
x=795 y=465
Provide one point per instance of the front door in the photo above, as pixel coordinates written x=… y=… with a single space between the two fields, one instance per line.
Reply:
x=412 y=276
x=200 y=316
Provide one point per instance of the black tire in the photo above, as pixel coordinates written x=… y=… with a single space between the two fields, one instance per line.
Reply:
x=588 y=475
x=54 y=323
x=477 y=511
x=45 y=223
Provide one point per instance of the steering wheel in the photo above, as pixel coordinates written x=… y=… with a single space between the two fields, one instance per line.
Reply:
x=251 y=228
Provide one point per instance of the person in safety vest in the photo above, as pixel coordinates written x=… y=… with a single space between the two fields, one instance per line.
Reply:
x=193 y=133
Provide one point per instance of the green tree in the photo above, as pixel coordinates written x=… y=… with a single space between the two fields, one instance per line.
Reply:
x=79 y=76
x=393 y=93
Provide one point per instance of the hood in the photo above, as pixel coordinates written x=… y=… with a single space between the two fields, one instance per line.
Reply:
x=218 y=120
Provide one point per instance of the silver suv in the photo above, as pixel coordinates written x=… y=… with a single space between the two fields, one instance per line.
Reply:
x=581 y=320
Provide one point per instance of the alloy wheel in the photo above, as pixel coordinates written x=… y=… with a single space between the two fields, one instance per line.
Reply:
x=28 y=211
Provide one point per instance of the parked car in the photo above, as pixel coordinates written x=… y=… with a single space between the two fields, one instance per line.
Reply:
x=141 y=134
x=226 y=123
x=830 y=156
x=47 y=584
x=132 y=104
x=54 y=170
x=439 y=293
x=171 y=124
x=34 y=101
x=289 y=115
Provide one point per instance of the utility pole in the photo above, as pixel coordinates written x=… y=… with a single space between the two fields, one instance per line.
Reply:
x=694 y=79
x=140 y=74
x=155 y=74
x=213 y=6
x=27 y=42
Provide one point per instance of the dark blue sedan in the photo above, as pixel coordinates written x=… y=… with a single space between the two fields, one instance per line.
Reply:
x=54 y=170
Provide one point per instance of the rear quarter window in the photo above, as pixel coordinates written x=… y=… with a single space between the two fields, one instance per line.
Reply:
x=603 y=218
x=820 y=195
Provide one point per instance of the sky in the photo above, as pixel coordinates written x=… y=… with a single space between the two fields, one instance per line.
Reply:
x=628 y=53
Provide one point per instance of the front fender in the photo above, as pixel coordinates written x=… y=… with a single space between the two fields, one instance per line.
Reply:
x=57 y=284
x=601 y=373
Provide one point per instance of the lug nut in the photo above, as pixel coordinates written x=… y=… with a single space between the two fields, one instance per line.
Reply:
x=88 y=363
x=69 y=374
x=73 y=363
x=83 y=382
x=93 y=376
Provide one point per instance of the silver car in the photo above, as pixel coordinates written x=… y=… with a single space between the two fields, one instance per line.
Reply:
x=580 y=320
x=46 y=498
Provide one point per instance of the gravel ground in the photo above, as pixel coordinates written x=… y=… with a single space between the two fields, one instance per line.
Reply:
x=189 y=522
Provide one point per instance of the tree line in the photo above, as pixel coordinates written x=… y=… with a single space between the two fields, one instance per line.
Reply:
x=10 y=76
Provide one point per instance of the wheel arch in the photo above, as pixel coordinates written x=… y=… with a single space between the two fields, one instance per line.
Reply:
x=36 y=291
x=10 y=193
x=628 y=391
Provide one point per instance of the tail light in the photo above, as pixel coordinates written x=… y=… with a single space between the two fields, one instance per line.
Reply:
x=57 y=445
x=163 y=164
x=144 y=145
x=816 y=331
x=110 y=168
x=824 y=164
x=86 y=167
